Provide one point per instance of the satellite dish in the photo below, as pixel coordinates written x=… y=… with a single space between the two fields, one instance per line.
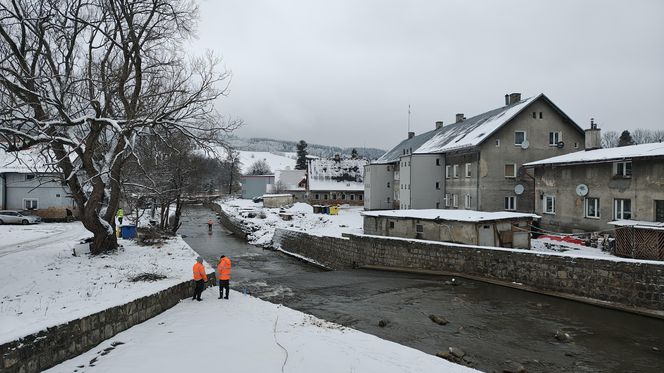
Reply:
x=525 y=144
x=518 y=189
x=582 y=190
x=560 y=144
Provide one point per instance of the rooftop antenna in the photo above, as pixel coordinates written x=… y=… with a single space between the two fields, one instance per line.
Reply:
x=408 y=117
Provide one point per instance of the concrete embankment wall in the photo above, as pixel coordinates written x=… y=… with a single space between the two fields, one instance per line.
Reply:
x=56 y=344
x=229 y=222
x=632 y=286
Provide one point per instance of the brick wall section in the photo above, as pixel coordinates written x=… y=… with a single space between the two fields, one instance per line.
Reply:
x=54 y=345
x=626 y=284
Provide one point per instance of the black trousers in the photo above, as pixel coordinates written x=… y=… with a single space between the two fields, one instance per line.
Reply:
x=223 y=284
x=198 y=289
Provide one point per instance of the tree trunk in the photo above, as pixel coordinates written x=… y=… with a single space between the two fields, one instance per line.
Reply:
x=178 y=213
x=104 y=237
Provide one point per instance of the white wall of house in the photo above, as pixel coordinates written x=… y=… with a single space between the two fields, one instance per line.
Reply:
x=378 y=192
x=30 y=191
x=427 y=181
x=405 y=181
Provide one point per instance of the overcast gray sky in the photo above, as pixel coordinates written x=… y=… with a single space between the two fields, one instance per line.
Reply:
x=342 y=72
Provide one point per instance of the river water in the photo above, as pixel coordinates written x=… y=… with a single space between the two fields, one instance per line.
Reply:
x=492 y=324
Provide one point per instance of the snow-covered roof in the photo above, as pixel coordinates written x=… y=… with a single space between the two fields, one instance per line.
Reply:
x=24 y=162
x=276 y=195
x=605 y=155
x=467 y=133
x=290 y=179
x=454 y=215
x=331 y=185
x=639 y=224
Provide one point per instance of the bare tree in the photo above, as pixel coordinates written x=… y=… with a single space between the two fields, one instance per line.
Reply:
x=82 y=80
x=610 y=139
x=260 y=167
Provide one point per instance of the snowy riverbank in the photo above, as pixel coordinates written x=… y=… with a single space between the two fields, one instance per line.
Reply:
x=43 y=284
x=263 y=221
x=246 y=334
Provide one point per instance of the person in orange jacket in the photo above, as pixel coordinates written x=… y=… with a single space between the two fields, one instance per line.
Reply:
x=200 y=277
x=224 y=275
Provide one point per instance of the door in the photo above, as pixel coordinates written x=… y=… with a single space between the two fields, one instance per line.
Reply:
x=486 y=235
x=659 y=211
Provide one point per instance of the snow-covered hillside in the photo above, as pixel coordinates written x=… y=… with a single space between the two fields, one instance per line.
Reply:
x=276 y=161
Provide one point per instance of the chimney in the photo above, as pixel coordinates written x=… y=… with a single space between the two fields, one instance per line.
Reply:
x=439 y=124
x=459 y=117
x=593 y=136
x=514 y=98
x=411 y=135
x=507 y=99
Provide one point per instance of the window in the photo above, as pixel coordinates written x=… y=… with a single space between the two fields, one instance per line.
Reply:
x=359 y=197
x=497 y=143
x=325 y=196
x=437 y=161
x=447 y=200
x=437 y=185
x=555 y=138
x=592 y=208
x=622 y=209
x=659 y=211
x=549 y=205
x=455 y=201
x=437 y=205
x=334 y=196
x=510 y=170
x=316 y=196
x=510 y=203
x=541 y=115
x=519 y=137
x=388 y=199
x=622 y=169
x=388 y=168
x=455 y=170
x=391 y=225
x=467 y=169
x=419 y=228
x=534 y=115
x=576 y=145
x=388 y=184
x=29 y=177
x=352 y=197
x=447 y=171
x=31 y=204
x=466 y=201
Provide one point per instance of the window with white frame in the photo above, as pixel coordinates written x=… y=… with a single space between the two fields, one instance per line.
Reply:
x=455 y=171
x=510 y=170
x=448 y=171
x=497 y=143
x=30 y=204
x=510 y=203
x=316 y=196
x=622 y=209
x=467 y=201
x=622 y=169
x=334 y=196
x=447 y=200
x=549 y=205
x=455 y=201
x=519 y=137
x=359 y=197
x=468 y=169
x=592 y=208
x=555 y=138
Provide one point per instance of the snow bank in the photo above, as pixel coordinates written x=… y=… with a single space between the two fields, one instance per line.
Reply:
x=349 y=220
x=43 y=284
x=246 y=334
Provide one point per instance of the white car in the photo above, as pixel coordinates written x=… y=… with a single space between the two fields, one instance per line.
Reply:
x=17 y=217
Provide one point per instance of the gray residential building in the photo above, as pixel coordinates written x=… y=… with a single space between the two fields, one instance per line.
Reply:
x=473 y=163
x=585 y=190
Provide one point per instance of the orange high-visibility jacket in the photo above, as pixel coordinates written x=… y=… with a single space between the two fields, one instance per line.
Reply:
x=224 y=269
x=199 y=272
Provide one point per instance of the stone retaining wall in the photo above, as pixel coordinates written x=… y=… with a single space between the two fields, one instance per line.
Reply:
x=229 y=222
x=633 y=286
x=54 y=345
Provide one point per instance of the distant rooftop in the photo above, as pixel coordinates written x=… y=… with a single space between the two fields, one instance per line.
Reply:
x=604 y=155
x=453 y=215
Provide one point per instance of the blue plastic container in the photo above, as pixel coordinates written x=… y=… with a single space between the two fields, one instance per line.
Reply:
x=128 y=231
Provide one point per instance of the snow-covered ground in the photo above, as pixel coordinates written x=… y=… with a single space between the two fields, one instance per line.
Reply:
x=42 y=284
x=543 y=245
x=349 y=220
x=246 y=334
x=276 y=161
